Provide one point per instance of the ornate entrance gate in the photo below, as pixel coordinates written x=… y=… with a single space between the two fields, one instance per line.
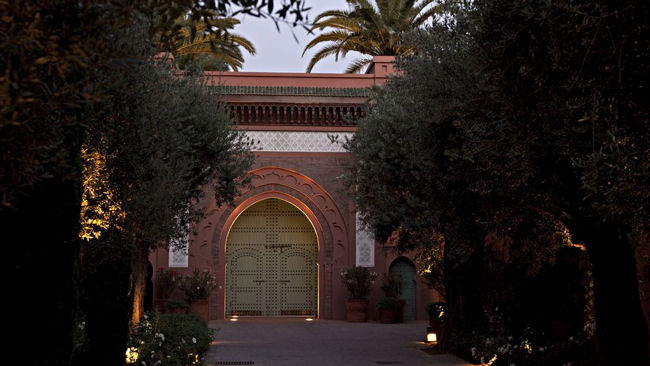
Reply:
x=271 y=255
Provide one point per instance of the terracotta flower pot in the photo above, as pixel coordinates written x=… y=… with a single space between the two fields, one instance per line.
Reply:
x=356 y=311
x=199 y=307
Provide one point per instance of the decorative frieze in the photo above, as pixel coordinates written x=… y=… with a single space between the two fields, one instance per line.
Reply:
x=298 y=141
x=280 y=114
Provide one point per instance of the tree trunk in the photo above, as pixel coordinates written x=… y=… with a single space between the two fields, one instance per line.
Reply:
x=40 y=236
x=139 y=283
x=106 y=302
x=620 y=325
x=643 y=273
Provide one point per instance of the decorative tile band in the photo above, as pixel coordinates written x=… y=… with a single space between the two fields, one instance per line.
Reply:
x=365 y=246
x=178 y=256
x=298 y=141
x=291 y=90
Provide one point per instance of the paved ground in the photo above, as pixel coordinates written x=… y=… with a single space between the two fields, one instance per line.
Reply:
x=296 y=342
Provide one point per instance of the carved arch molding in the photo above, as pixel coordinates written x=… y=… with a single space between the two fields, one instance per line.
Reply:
x=304 y=189
x=307 y=195
x=311 y=193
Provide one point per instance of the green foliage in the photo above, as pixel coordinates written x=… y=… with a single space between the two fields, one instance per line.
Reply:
x=436 y=310
x=392 y=285
x=58 y=63
x=164 y=139
x=517 y=130
x=358 y=281
x=169 y=339
x=220 y=42
x=205 y=62
x=389 y=302
x=176 y=303
x=370 y=30
x=530 y=349
x=198 y=285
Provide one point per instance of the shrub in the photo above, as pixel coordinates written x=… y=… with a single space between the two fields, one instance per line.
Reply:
x=198 y=285
x=526 y=349
x=176 y=303
x=168 y=340
x=436 y=310
x=358 y=280
x=389 y=303
x=392 y=285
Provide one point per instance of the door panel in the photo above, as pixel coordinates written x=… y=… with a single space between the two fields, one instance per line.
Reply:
x=407 y=271
x=246 y=282
x=272 y=254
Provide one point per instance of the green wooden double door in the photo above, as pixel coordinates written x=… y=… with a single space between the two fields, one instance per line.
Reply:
x=271 y=256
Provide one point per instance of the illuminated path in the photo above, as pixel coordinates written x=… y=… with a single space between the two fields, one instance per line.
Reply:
x=296 y=342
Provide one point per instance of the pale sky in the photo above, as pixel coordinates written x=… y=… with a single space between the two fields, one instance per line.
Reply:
x=279 y=51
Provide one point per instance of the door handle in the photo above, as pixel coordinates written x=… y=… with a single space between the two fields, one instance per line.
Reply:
x=258 y=281
x=284 y=281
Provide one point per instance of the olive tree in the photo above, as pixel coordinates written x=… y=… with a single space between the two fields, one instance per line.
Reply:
x=518 y=131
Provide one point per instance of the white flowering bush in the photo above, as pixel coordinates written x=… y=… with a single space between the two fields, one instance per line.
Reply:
x=528 y=349
x=168 y=340
x=198 y=285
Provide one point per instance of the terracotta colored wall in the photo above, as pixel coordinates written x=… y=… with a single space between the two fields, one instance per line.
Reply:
x=307 y=180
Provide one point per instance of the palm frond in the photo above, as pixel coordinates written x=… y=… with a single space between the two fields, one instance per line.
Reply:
x=328 y=50
x=331 y=13
x=357 y=65
x=197 y=38
x=370 y=29
x=428 y=13
x=334 y=36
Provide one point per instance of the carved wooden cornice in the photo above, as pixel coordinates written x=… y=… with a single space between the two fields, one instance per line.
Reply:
x=281 y=114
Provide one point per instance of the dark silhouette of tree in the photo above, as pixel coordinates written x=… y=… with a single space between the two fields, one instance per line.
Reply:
x=519 y=130
x=53 y=55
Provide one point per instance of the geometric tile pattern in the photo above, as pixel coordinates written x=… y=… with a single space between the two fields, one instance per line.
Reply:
x=365 y=246
x=291 y=90
x=293 y=141
x=178 y=256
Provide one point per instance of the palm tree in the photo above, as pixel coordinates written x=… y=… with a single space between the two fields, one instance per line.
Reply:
x=220 y=44
x=370 y=30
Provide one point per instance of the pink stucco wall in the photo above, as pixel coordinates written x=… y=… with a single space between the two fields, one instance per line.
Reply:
x=309 y=181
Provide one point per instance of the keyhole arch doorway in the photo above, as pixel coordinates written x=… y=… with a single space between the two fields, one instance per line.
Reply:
x=272 y=261
x=406 y=269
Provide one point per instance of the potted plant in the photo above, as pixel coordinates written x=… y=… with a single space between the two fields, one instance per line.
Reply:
x=176 y=306
x=391 y=307
x=358 y=281
x=166 y=282
x=197 y=287
x=392 y=285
